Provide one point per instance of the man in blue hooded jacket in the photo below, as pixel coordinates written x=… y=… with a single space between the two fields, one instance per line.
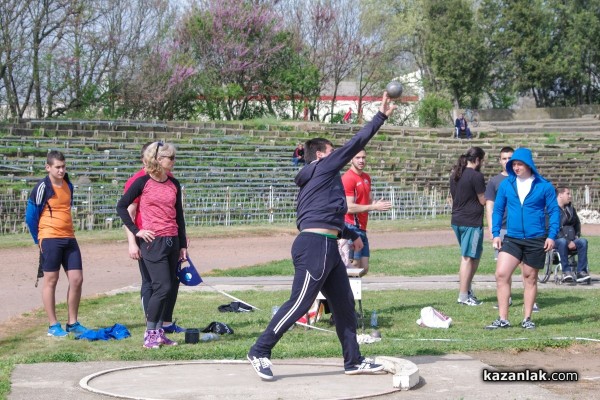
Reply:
x=527 y=197
x=320 y=210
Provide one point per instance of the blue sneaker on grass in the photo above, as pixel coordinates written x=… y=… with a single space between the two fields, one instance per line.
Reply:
x=76 y=328
x=56 y=331
x=173 y=328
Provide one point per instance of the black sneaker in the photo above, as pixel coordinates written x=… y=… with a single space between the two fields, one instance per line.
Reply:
x=367 y=366
x=568 y=277
x=262 y=366
x=498 y=324
x=583 y=277
x=527 y=324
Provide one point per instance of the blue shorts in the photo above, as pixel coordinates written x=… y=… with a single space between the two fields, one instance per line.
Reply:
x=470 y=240
x=57 y=251
x=364 y=252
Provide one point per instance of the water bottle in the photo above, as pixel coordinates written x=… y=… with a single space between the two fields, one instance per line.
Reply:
x=374 y=319
x=207 y=337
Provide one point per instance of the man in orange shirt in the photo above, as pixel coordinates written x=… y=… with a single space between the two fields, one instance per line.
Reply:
x=48 y=217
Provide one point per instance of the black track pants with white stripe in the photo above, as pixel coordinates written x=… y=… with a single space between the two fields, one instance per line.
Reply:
x=318 y=267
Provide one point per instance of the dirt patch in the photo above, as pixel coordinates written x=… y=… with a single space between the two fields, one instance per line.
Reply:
x=583 y=359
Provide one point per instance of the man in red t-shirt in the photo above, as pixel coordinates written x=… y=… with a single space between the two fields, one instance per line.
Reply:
x=134 y=252
x=357 y=186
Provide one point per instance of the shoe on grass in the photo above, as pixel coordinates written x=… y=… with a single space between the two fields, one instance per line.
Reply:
x=173 y=328
x=57 y=331
x=262 y=366
x=76 y=328
x=527 y=324
x=163 y=340
x=536 y=308
x=499 y=324
x=151 y=339
x=470 y=301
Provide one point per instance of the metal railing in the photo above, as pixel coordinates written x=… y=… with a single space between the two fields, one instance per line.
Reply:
x=95 y=205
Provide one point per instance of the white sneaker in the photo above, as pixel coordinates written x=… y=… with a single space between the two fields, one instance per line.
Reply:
x=470 y=301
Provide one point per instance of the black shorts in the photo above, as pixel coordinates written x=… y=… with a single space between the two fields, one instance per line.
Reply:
x=529 y=251
x=57 y=251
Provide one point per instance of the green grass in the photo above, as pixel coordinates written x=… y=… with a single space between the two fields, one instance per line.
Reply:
x=435 y=260
x=397 y=310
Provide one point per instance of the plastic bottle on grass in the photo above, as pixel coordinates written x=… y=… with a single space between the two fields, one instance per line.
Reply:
x=207 y=337
x=374 y=319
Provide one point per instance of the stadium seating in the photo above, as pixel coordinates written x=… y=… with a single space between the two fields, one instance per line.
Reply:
x=237 y=173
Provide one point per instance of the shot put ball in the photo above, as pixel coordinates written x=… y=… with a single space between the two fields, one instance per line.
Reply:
x=394 y=89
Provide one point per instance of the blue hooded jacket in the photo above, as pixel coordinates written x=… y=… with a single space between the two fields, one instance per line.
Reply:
x=527 y=220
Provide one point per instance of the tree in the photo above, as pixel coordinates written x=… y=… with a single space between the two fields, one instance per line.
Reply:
x=13 y=45
x=455 y=49
x=47 y=19
x=232 y=41
x=546 y=48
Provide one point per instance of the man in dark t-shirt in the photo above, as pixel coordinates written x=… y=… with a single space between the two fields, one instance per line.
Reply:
x=492 y=188
x=467 y=187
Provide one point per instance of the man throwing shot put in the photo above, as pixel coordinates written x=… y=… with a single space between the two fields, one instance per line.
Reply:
x=320 y=210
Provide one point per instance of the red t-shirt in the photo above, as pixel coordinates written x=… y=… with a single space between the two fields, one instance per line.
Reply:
x=138 y=215
x=359 y=187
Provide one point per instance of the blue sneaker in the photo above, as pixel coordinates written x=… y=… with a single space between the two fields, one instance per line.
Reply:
x=173 y=328
x=76 y=328
x=56 y=331
x=262 y=366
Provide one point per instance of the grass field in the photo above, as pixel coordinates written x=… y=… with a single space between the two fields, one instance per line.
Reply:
x=437 y=260
x=558 y=324
x=398 y=310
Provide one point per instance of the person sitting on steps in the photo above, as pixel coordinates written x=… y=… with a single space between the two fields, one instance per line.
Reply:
x=462 y=127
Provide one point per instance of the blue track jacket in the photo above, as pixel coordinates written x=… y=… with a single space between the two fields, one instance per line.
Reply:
x=527 y=220
x=38 y=198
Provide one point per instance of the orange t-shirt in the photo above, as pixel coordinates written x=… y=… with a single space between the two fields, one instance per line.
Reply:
x=56 y=220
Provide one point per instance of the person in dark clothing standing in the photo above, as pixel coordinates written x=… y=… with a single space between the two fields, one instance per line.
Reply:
x=163 y=233
x=321 y=207
x=467 y=187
